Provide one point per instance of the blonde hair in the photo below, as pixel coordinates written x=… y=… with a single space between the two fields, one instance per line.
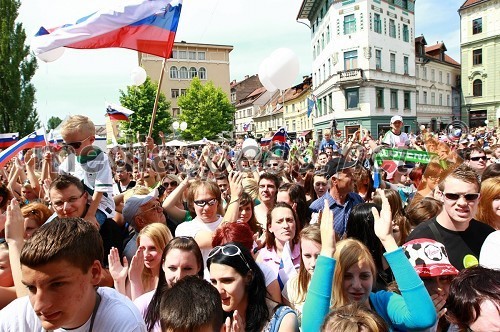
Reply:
x=490 y=190
x=348 y=253
x=251 y=187
x=160 y=235
x=78 y=123
x=354 y=317
x=311 y=233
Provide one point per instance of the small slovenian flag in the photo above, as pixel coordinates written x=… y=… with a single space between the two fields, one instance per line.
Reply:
x=246 y=126
x=118 y=112
x=8 y=139
x=280 y=135
x=265 y=141
x=147 y=26
x=33 y=140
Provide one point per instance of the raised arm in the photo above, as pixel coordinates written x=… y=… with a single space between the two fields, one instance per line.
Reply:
x=14 y=235
x=233 y=207
x=169 y=204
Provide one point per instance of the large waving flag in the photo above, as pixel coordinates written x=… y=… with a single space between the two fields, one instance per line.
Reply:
x=148 y=26
x=33 y=140
x=280 y=135
x=8 y=139
x=118 y=112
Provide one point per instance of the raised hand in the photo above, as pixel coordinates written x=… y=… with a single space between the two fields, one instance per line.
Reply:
x=383 y=223
x=118 y=271
x=234 y=325
x=235 y=184
x=136 y=265
x=14 y=225
x=439 y=303
x=328 y=242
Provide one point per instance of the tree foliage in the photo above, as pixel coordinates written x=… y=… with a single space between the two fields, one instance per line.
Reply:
x=140 y=99
x=17 y=67
x=53 y=122
x=206 y=109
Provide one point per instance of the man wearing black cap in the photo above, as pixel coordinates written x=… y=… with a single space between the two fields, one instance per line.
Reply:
x=341 y=198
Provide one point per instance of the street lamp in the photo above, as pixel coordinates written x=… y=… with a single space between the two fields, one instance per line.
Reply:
x=176 y=125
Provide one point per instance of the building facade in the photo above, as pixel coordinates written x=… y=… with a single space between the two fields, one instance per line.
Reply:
x=363 y=63
x=206 y=61
x=480 y=51
x=438 y=85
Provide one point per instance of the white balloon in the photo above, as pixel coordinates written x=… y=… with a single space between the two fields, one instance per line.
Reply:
x=250 y=148
x=183 y=125
x=264 y=77
x=51 y=55
x=138 y=76
x=175 y=125
x=283 y=68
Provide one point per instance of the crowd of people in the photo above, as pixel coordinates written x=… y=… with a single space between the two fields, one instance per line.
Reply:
x=390 y=233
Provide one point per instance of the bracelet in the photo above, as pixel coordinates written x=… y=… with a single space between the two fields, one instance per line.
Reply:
x=232 y=202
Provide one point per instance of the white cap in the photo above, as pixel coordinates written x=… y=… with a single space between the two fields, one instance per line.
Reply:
x=396 y=118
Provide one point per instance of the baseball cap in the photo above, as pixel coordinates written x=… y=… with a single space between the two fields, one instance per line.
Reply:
x=429 y=258
x=133 y=204
x=335 y=165
x=396 y=118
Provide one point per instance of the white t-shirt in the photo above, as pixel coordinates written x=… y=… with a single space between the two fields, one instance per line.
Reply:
x=95 y=173
x=395 y=141
x=191 y=228
x=115 y=313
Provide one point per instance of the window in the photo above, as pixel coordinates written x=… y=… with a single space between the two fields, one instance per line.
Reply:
x=417 y=97
x=327 y=34
x=183 y=92
x=448 y=100
x=379 y=96
x=314 y=52
x=425 y=97
x=477 y=56
x=393 y=63
x=352 y=97
x=349 y=24
x=377 y=23
x=183 y=73
x=477 y=88
x=350 y=60
x=394 y=99
x=192 y=55
x=404 y=4
x=440 y=76
x=417 y=71
x=322 y=41
x=378 y=59
x=448 y=78
x=182 y=55
x=407 y=102
x=406 y=33
x=192 y=72
x=440 y=99
x=202 y=56
x=477 y=26
x=329 y=67
x=424 y=71
x=433 y=98
x=405 y=65
x=174 y=54
x=174 y=93
x=392 y=28
x=202 y=73
x=433 y=75
x=174 y=73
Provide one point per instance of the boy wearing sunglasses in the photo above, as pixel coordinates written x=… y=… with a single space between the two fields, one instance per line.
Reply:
x=454 y=226
x=89 y=164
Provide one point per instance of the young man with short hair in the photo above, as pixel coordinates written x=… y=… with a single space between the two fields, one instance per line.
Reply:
x=268 y=188
x=61 y=268
x=396 y=138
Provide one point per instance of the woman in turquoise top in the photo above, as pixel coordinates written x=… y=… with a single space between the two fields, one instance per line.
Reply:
x=355 y=274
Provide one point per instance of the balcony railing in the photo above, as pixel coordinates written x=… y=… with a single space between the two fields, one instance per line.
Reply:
x=350 y=75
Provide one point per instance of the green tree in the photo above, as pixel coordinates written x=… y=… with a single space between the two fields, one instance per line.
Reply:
x=53 y=122
x=206 y=109
x=17 y=67
x=141 y=99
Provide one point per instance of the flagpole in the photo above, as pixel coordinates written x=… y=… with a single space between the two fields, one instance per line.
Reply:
x=155 y=107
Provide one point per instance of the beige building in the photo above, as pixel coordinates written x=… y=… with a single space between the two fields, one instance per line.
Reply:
x=438 y=85
x=297 y=122
x=206 y=61
x=480 y=47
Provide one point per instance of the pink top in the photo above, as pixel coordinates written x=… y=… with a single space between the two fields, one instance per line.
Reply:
x=272 y=260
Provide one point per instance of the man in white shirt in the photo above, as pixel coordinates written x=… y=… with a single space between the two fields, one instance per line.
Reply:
x=396 y=138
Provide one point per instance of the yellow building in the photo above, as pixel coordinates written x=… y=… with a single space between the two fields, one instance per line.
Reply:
x=295 y=116
x=206 y=61
x=480 y=48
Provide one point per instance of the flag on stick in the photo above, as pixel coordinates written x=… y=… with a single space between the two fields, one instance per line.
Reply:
x=35 y=139
x=147 y=26
x=118 y=112
x=8 y=139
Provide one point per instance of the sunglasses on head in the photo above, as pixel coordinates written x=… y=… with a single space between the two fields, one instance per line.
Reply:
x=229 y=250
x=170 y=184
x=203 y=202
x=479 y=158
x=455 y=197
x=269 y=165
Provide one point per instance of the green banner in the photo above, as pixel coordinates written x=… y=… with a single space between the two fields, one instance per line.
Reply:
x=414 y=156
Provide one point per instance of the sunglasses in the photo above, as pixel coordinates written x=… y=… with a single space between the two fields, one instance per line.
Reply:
x=229 y=250
x=203 y=202
x=269 y=165
x=157 y=206
x=455 y=197
x=75 y=145
x=170 y=184
x=479 y=158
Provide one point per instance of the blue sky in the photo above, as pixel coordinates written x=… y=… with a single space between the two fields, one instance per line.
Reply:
x=81 y=81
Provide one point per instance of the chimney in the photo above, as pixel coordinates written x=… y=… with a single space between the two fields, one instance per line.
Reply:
x=246 y=77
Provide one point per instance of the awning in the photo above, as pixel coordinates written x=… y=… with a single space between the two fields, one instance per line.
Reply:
x=304 y=133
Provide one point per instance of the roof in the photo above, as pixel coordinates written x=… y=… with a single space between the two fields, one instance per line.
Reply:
x=432 y=48
x=469 y=3
x=435 y=51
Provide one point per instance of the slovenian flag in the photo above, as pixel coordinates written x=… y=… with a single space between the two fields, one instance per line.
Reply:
x=33 y=140
x=147 y=26
x=265 y=141
x=118 y=112
x=7 y=140
x=280 y=135
x=246 y=126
